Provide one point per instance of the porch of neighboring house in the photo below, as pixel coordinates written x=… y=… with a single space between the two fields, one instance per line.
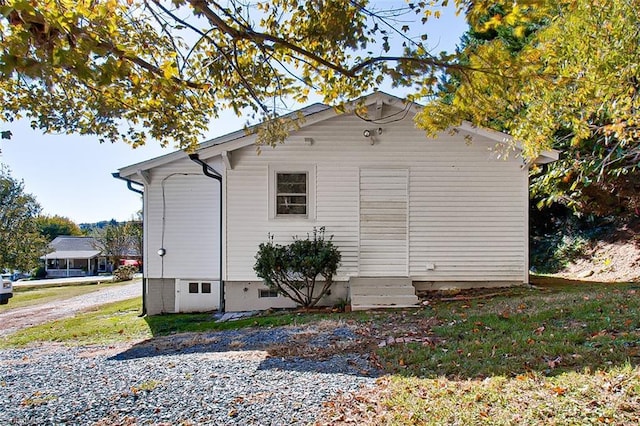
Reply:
x=58 y=266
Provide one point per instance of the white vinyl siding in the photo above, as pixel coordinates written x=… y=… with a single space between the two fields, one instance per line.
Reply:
x=468 y=224
x=182 y=216
x=466 y=209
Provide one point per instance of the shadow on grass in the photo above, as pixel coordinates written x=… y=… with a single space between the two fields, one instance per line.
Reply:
x=318 y=347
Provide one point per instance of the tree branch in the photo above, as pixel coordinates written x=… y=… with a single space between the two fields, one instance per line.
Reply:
x=247 y=33
x=257 y=37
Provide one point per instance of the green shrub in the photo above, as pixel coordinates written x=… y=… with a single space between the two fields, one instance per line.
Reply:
x=292 y=270
x=40 y=272
x=124 y=273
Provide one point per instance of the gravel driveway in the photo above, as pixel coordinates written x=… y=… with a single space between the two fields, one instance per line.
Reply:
x=16 y=319
x=240 y=377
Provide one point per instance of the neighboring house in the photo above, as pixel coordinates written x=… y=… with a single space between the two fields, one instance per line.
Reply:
x=406 y=211
x=74 y=257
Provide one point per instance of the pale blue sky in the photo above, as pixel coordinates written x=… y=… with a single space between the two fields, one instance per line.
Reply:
x=70 y=175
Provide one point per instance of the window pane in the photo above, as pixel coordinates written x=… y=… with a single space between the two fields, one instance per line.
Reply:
x=193 y=287
x=292 y=183
x=287 y=204
x=206 y=287
x=267 y=293
x=292 y=177
x=292 y=187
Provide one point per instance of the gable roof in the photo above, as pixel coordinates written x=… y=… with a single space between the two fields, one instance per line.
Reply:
x=220 y=140
x=69 y=247
x=312 y=114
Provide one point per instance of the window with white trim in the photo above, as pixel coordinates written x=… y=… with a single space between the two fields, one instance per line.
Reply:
x=292 y=191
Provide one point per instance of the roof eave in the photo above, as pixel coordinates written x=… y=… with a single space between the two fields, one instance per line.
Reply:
x=133 y=171
x=545 y=157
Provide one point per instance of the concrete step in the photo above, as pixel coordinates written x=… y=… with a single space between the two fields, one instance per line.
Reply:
x=370 y=307
x=388 y=290
x=405 y=299
x=379 y=281
x=382 y=292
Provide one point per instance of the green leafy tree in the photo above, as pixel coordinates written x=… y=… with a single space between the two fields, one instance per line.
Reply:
x=568 y=80
x=52 y=226
x=128 y=70
x=293 y=270
x=136 y=237
x=114 y=241
x=553 y=73
x=21 y=245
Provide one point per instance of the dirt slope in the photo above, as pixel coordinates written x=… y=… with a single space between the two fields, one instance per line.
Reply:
x=615 y=258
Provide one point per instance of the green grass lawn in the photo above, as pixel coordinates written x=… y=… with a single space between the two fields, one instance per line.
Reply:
x=121 y=322
x=550 y=355
x=562 y=355
x=551 y=330
x=110 y=323
x=35 y=295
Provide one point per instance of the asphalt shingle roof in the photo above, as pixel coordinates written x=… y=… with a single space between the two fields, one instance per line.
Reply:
x=67 y=247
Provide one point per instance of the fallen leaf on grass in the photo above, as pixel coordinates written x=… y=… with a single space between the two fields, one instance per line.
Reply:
x=553 y=363
x=425 y=340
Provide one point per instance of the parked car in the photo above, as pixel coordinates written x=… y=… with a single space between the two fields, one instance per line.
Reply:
x=19 y=276
x=6 y=292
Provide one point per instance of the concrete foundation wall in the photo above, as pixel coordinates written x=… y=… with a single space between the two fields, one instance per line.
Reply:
x=161 y=295
x=447 y=285
x=245 y=296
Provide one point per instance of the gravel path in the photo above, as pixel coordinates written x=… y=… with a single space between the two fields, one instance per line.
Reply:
x=222 y=378
x=19 y=318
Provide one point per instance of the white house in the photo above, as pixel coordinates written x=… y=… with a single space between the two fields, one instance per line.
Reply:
x=407 y=212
